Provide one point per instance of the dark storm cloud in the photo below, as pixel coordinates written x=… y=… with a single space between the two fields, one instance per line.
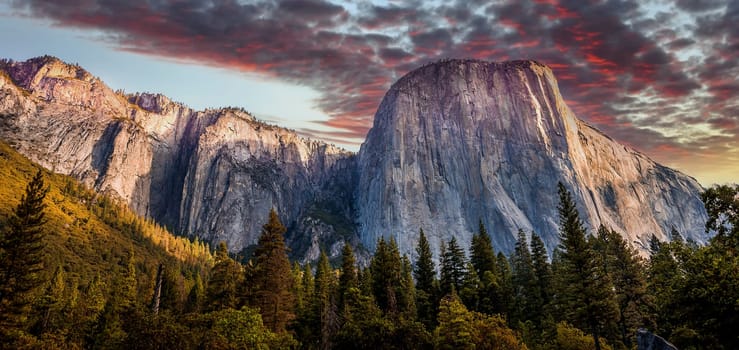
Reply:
x=619 y=67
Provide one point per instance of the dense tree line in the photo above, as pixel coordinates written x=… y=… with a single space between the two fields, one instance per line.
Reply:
x=593 y=292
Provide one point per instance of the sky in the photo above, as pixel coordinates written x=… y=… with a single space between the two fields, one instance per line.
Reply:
x=661 y=76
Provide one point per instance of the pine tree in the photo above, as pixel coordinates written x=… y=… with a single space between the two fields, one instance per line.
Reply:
x=460 y=328
x=270 y=278
x=424 y=273
x=452 y=267
x=348 y=278
x=324 y=303
x=386 y=271
x=21 y=255
x=407 y=290
x=587 y=296
x=482 y=255
x=196 y=296
x=49 y=306
x=541 y=285
x=542 y=268
x=504 y=298
x=456 y=329
x=471 y=291
x=222 y=289
x=624 y=266
x=523 y=279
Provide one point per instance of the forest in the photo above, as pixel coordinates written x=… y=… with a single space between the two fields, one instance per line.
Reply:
x=80 y=270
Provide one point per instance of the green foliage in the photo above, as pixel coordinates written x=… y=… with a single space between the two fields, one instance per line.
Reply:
x=21 y=255
x=237 y=329
x=697 y=288
x=585 y=290
x=269 y=279
x=462 y=329
x=722 y=205
x=226 y=276
x=525 y=295
x=482 y=255
x=325 y=315
x=348 y=280
x=453 y=267
x=571 y=338
x=105 y=261
x=625 y=268
x=424 y=273
x=386 y=271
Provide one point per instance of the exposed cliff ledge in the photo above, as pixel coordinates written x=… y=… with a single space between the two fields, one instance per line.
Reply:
x=460 y=141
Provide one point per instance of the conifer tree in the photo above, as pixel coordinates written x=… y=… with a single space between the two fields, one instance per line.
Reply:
x=407 y=289
x=222 y=289
x=51 y=303
x=470 y=291
x=456 y=329
x=424 y=273
x=324 y=303
x=21 y=255
x=196 y=295
x=460 y=328
x=587 y=296
x=270 y=278
x=482 y=255
x=523 y=278
x=348 y=279
x=624 y=266
x=386 y=272
x=542 y=285
x=452 y=267
x=542 y=268
x=504 y=299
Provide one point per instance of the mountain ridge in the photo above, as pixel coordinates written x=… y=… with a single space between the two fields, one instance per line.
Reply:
x=142 y=147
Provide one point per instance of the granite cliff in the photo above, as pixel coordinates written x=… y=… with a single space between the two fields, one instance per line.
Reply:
x=462 y=141
x=213 y=173
x=453 y=143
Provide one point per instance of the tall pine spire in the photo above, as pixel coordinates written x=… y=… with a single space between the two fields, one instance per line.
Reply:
x=271 y=278
x=21 y=254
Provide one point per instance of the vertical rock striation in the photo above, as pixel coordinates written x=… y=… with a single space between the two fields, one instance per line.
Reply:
x=461 y=141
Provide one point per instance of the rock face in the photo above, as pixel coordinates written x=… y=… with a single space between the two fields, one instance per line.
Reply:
x=461 y=141
x=648 y=341
x=213 y=173
x=453 y=143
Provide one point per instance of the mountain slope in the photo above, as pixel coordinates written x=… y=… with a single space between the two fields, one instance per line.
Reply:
x=213 y=174
x=461 y=141
x=90 y=236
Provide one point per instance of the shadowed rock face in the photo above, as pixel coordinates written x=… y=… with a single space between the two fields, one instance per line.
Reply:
x=461 y=141
x=648 y=341
x=213 y=173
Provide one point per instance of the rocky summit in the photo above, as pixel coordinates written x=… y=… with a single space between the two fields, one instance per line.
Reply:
x=454 y=143
x=460 y=142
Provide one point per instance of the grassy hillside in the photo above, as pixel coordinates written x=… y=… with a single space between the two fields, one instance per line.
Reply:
x=90 y=235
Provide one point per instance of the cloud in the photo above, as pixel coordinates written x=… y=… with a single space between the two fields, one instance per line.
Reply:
x=651 y=78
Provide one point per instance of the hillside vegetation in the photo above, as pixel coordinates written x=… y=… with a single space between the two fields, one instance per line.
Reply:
x=104 y=279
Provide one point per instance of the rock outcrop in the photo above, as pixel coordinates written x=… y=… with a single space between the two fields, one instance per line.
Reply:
x=213 y=173
x=646 y=340
x=460 y=141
